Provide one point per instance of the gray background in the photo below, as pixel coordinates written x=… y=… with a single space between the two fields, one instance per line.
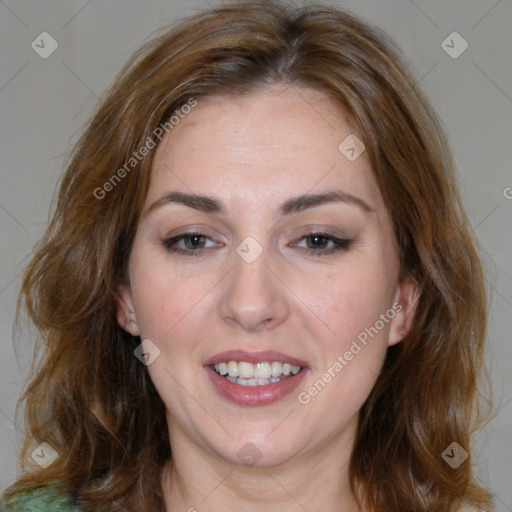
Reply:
x=44 y=103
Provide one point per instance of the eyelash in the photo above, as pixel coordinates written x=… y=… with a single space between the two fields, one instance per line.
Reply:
x=169 y=242
x=341 y=244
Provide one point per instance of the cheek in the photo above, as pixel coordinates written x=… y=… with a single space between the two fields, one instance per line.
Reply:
x=163 y=296
x=352 y=337
x=346 y=302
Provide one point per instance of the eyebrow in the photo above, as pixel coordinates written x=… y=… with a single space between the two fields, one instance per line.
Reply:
x=202 y=203
x=291 y=206
x=303 y=202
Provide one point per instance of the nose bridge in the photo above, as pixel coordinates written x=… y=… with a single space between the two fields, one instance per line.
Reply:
x=251 y=266
x=253 y=298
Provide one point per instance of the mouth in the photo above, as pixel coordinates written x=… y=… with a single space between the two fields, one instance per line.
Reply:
x=261 y=378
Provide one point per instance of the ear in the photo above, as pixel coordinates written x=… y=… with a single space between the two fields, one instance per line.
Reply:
x=404 y=305
x=125 y=313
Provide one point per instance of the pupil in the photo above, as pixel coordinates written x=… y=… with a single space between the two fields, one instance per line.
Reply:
x=319 y=241
x=194 y=239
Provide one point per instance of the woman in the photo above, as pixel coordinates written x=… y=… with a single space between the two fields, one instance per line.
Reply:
x=259 y=290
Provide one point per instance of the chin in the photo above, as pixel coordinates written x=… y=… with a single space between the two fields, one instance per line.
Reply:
x=257 y=449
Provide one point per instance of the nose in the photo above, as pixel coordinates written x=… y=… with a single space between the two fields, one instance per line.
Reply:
x=254 y=298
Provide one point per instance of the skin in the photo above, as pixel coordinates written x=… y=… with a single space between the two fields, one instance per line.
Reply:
x=253 y=153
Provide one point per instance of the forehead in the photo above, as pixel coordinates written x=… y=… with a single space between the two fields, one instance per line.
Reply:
x=276 y=140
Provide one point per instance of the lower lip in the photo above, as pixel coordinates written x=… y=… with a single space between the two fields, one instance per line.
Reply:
x=254 y=395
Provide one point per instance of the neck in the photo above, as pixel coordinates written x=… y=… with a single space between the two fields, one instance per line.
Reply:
x=197 y=479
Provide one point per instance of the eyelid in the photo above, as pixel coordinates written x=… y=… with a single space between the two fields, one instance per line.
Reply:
x=196 y=230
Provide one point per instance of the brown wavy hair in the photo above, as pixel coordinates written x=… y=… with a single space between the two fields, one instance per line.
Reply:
x=93 y=401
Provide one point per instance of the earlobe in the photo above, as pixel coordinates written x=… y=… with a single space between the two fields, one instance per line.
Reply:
x=406 y=300
x=125 y=313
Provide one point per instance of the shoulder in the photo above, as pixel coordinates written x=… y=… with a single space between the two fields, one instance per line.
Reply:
x=47 y=498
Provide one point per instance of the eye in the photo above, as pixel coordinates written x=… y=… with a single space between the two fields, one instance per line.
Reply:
x=191 y=244
x=318 y=244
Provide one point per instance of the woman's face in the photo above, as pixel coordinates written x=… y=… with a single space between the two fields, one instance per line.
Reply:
x=293 y=264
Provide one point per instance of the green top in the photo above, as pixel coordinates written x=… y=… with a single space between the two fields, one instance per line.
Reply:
x=42 y=499
x=50 y=499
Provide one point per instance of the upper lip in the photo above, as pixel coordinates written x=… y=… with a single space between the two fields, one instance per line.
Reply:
x=254 y=357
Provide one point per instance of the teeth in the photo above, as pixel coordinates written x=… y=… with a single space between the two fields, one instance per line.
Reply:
x=233 y=369
x=252 y=382
x=245 y=370
x=276 y=369
x=259 y=374
x=262 y=371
